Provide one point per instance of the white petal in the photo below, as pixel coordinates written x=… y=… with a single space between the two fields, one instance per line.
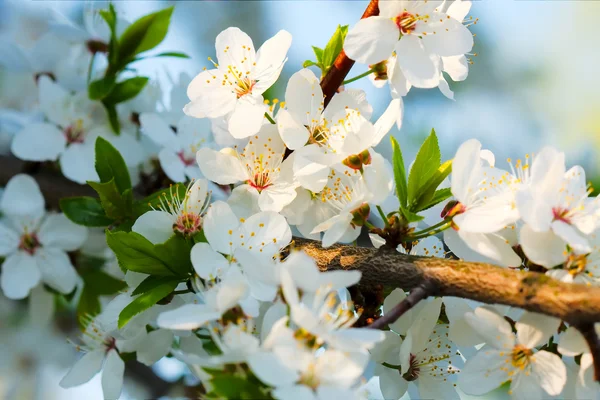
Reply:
x=457 y=67
x=84 y=369
x=492 y=327
x=295 y=392
x=56 y=268
x=492 y=246
x=243 y=200
x=187 y=317
x=459 y=9
x=293 y=133
x=543 y=248
x=572 y=236
x=310 y=174
x=20 y=274
x=22 y=197
x=421 y=68
x=390 y=116
x=155 y=346
x=425 y=324
x=156 y=226
x=212 y=102
x=9 y=240
x=460 y=332
x=269 y=228
x=270 y=59
x=246 y=119
x=172 y=165
x=158 y=130
x=535 y=329
x=484 y=372
x=207 y=263
x=402 y=324
x=371 y=40
x=220 y=166
x=399 y=85
x=39 y=142
x=465 y=168
x=391 y=383
x=445 y=88
x=303 y=96
x=335 y=232
x=268 y=368
x=77 y=163
x=234 y=47
x=550 y=371
x=275 y=197
x=452 y=38
x=58 y=231
x=129 y=147
x=379 y=178
x=572 y=343
x=219 y=221
x=112 y=376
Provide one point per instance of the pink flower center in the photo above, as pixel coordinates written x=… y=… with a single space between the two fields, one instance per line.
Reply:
x=29 y=243
x=188 y=223
x=561 y=214
x=406 y=22
x=187 y=161
x=261 y=181
x=74 y=133
x=244 y=86
x=413 y=370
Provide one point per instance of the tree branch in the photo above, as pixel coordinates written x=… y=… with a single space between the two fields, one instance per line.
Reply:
x=573 y=303
x=591 y=337
x=342 y=64
x=419 y=293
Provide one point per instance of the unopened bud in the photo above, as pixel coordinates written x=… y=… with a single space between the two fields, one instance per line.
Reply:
x=360 y=215
x=353 y=162
x=380 y=70
x=365 y=157
x=454 y=207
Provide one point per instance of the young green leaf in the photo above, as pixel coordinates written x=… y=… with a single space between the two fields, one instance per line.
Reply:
x=86 y=211
x=115 y=205
x=110 y=16
x=426 y=163
x=110 y=165
x=146 y=300
x=175 y=252
x=102 y=283
x=318 y=54
x=150 y=283
x=439 y=196
x=410 y=216
x=334 y=46
x=308 y=63
x=399 y=173
x=126 y=90
x=427 y=191
x=101 y=88
x=135 y=253
x=144 y=34
x=175 y=54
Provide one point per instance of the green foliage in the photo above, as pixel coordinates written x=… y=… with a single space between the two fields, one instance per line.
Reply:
x=96 y=283
x=136 y=253
x=146 y=300
x=111 y=165
x=239 y=385
x=115 y=205
x=325 y=57
x=86 y=211
x=150 y=283
x=142 y=35
x=399 y=173
x=175 y=252
x=428 y=189
x=428 y=160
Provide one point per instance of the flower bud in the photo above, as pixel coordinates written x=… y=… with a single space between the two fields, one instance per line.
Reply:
x=353 y=162
x=360 y=214
x=380 y=70
x=365 y=157
x=454 y=207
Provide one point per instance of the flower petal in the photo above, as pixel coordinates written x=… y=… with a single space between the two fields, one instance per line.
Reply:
x=543 y=248
x=155 y=346
x=187 y=317
x=452 y=38
x=39 y=142
x=172 y=165
x=156 y=226
x=22 y=197
x=112 y=376
x=220 y=225
x=84 y=369
x=234 y=47
x=9 y=240
x=492 y=327
x=484 y=372
x=535 y=329
x=58 y=231
x=158 y=130
x=550 y=372
x=77 y=163
x=572 y=343
x=246 y=119
x=220 y=166
x=269 y=369
x=421 y=67
x=56 y=268
x=207 y=263
x=20 y=274
x=371 y=40
x=270 y=59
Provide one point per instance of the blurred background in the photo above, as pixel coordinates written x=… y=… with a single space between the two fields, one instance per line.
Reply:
x=532 y=83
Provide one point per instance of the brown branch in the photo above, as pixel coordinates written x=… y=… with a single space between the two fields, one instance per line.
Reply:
x=591 y=337
x=342 y=64
x=573 y=303
x=419 y=293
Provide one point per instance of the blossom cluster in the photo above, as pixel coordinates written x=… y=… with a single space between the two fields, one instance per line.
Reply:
x=207 y=272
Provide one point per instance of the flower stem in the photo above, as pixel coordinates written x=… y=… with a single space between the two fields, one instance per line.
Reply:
x=370 y=225
x=267 y=116
x=413 y=237
x=357 y=77
x=383 y=216
x=432 y=227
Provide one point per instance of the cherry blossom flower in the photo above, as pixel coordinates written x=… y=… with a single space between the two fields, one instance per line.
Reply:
x=572 y=343
x=420 y=33
x=174 y=215
x=69 y=136
x=266 y=175
x=507 y=356
x=35 y=244
x=235 y=87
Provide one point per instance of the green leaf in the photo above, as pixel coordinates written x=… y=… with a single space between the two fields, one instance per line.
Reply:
x=126 y=90
x=110 y=16
x=110 y=165
x=88 y=306
x=150 y=283
x=144 y=34
x=146 y=300
x=113 y=117
x=439 y=196
x=228 y=386
x=86 y=211
x=318 y=53
x=102 y=283
x=426 y=164
x=399 y=173
x=410 y=216
x=175 y=252
x=115 y=205
x=427 y=191
x=175 y=54
x=334 y=46
x=100 y=88
x=309 y=63
x=154 y=200
x=135 y=253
